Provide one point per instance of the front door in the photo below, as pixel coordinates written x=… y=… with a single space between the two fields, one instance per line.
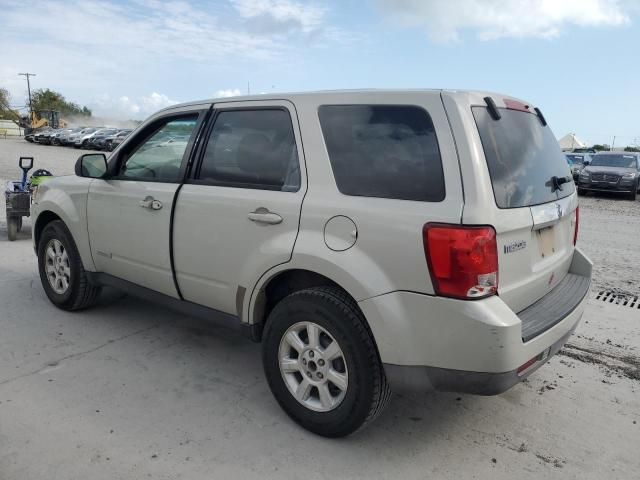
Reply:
x=129 y=212
x=238 y=215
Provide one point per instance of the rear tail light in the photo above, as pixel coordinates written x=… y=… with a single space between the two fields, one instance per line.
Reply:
x=575 y=231
x=463 y=260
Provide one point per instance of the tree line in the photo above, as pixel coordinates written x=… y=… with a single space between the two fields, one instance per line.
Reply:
x=44 y=99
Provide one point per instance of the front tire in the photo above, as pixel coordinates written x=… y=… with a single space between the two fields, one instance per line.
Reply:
x=61 y=272
x=322 y=364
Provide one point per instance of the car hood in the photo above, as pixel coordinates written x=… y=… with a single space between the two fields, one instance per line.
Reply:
x=606 y=169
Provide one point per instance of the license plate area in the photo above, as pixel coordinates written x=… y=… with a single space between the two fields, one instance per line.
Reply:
x=546 y=241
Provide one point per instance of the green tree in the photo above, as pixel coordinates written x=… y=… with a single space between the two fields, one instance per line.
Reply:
x=6 y=113
x=598 y=148
x=45 y=99
x=631 y=149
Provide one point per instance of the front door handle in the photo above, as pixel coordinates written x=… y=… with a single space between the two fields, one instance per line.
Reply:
x=263 y=215
x=151 y=203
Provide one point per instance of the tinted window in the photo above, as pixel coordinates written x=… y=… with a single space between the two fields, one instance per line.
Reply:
x=522 y=156
x=614 y=160
x=159 y=156
x=383 y=151
x=252 y=149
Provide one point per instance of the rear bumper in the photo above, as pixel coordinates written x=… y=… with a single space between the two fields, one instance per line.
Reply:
x=429 y=379
x=440 y=343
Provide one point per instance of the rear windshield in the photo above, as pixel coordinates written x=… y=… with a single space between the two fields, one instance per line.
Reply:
x=523 y=156
x=612 y=160
x=386 y=151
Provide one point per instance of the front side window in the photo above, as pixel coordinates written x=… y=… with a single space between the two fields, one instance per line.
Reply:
x=252 y=149
x=384 y=151
x=159 y=156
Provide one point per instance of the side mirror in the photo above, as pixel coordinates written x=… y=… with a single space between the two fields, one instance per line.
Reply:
x=91 y=165
x=586 y=163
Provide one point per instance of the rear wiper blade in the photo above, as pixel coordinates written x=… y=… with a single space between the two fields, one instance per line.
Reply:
x=556 y=182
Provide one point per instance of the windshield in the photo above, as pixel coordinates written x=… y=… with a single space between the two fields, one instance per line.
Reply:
x=613 y=160
x=523 y=156
x=578 y=159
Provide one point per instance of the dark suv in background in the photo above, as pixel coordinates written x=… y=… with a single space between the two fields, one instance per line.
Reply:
x=617 y=172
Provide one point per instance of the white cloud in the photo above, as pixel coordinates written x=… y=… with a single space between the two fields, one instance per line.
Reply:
x=444 y=20
x=232 y=92
x=280 y=16
x=85 y=47
x=128 y=108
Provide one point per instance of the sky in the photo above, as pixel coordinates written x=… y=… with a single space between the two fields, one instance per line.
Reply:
x=575 y=59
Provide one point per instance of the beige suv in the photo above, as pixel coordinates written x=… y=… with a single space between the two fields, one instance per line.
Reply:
x=371 y=240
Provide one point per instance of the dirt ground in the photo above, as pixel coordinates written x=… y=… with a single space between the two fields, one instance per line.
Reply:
x=129 y=390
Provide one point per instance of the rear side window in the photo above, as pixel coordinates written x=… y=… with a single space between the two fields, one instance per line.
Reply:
x=523 y=156
x=385 y=151
x=252 y=149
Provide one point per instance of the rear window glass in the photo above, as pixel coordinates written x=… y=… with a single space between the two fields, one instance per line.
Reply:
x=522 y=156
x=613 y=160
x=383 y=151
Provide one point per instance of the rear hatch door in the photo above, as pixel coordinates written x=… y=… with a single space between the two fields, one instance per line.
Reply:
x=535 y=199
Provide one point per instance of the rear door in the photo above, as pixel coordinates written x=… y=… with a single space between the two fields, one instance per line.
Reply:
x=526 y=192
x=238 y=214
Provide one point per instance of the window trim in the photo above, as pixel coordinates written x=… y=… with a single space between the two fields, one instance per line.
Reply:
x=145 y=134
x=196 y=167
x=397 y=105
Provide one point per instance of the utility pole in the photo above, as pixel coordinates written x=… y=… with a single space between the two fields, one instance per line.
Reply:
x=613 y=142
x=29 y=90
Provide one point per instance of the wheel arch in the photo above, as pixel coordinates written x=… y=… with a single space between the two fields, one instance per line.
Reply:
x=283 y=280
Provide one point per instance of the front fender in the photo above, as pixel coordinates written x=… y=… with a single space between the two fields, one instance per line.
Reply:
x=65 y=197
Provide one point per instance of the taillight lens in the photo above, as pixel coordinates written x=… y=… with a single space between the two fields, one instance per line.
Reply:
x=575 y=231
x=463 y=260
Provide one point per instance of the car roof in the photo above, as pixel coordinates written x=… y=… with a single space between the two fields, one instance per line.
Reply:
x=320 y=94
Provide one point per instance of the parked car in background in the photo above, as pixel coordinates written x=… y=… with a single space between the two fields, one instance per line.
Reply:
x=66 y=137
x=96 y=141
x=617 y=172
x=82 y=140
x=584 y=150
x=578 y=161
x=78 y=136
x=55 y=137
x=42 y=135
x=371 y=240
x=111 y=142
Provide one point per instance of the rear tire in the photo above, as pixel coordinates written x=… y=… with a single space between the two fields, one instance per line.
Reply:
x=360 y=391
x=12 y=228
x=632 y=196
x=61 y=272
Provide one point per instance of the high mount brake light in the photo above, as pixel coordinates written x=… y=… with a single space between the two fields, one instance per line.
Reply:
x=462 y=260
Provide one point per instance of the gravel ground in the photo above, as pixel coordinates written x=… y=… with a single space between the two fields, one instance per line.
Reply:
x=129 y=390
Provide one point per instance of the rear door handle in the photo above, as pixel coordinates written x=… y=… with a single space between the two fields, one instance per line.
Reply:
x=151 y=203
x=263 y=215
